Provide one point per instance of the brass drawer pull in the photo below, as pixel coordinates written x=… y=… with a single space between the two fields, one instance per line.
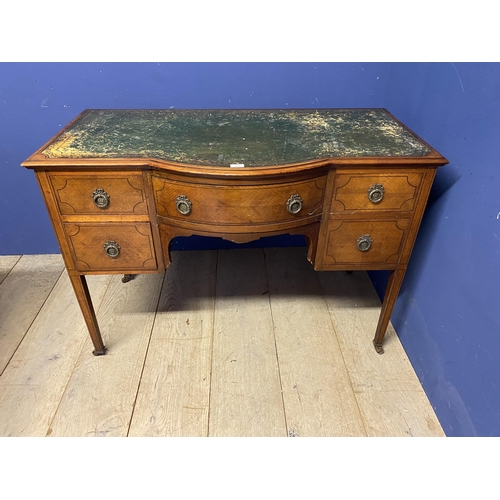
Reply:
x=364 y=242
x=294 y=204
x=112 y=249
x=100 y=198
x=376 y=193
x=183 y=204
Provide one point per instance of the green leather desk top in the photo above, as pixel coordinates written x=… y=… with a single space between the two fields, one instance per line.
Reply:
x=228 y=137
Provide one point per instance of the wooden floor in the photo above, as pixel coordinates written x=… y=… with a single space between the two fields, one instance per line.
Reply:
x=226 y=343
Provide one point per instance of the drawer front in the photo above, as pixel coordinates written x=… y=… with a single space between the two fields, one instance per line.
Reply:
x=382 y=191
x=99 y=194
x=255 y=204
x=112 y=247
x=359 y=242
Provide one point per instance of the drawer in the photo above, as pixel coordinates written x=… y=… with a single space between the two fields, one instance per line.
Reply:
x=112 y=247
x=94 y=194
x=251 y=204
x=380 y=191
x=360 y=242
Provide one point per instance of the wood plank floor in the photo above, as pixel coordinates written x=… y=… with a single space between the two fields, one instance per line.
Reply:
x=246 y=342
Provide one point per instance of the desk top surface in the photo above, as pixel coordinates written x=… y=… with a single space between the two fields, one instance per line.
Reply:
x=243 y=137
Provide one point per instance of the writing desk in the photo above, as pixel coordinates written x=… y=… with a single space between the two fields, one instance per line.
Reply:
x=119 y=185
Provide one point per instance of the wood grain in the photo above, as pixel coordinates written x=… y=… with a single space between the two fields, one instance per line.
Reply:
x=387 y=241
x=317 y=392
x=53 y=385
x=400 y=190
x=398 y=414
x=246 y=394
x=22 y=294
x=174 y=394
x=32 y=385
x=134 y=240
x=354 y=307
x=390 y=396
x=259 y=204
x=7 y=262
x=73 y=193
x=106 y=386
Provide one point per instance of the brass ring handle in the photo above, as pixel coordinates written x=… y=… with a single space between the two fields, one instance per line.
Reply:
x=112 y=249
x=294 y=204
x=376 y=193
x=100 y=198
x=364 y=242
x=183 y=204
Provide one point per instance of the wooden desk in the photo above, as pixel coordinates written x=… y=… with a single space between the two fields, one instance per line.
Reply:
x=119 y=185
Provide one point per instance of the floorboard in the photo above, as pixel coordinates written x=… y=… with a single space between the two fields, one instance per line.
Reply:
x=22 y=294
x=318 y=395
x=7 y=262
x=32 y=385
x=246 y=395
x=106 y=386
x=377 y=379
x=174 y=393
x=245 y=343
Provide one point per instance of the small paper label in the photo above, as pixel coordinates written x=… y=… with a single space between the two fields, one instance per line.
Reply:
x=236 y=165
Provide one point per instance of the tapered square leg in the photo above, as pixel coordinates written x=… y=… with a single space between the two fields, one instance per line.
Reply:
x=391 y=294
x=85 y=302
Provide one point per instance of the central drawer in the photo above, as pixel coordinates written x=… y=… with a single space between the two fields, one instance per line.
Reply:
x=241 y=204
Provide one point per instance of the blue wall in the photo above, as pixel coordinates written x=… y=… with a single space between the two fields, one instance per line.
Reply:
x=446 y=315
